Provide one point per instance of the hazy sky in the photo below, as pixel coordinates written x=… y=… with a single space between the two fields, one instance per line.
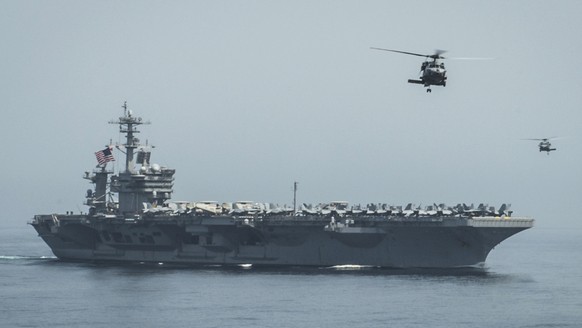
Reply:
x=246 y=97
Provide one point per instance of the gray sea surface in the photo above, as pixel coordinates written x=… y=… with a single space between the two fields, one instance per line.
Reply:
x=533 y=279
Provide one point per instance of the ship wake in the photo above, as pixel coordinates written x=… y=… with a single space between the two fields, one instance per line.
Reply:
x=6 y=258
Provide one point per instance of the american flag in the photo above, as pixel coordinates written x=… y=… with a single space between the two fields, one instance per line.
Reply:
x=104 y=156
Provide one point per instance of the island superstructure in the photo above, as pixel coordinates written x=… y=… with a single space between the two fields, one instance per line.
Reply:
x=131 y=218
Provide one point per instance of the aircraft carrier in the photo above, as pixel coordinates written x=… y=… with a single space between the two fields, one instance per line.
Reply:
x=131 y=218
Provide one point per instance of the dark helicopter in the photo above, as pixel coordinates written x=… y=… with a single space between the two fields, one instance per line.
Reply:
x=432 y=72
x=544 y=144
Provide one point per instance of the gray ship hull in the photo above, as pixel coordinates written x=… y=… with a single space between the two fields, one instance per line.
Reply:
x=396 y=242
x=131 y=219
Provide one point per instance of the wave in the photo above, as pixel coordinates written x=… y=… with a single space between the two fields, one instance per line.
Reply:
x=21 y=257
x=245 y=266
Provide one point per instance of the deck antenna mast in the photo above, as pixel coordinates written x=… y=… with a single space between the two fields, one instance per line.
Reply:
x=295 y=197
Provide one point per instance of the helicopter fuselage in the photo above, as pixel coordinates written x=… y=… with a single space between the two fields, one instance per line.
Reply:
x=546 y=146
x=432 y=73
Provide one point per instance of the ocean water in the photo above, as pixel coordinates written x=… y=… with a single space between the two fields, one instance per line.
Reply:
x=533 y=279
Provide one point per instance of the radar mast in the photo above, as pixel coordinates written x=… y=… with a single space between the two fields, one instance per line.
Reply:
x=128 y=124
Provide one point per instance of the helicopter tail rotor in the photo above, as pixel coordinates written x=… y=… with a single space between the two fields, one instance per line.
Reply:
x=437 y=54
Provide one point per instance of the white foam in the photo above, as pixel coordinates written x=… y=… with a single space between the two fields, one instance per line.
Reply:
x=18 y=257
x=351 y=267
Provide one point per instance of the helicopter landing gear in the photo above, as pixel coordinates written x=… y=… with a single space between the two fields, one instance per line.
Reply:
x=428 y=90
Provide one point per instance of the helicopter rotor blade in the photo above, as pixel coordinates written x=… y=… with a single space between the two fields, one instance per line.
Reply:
x=543 y=139
x=471 y=58
x=402 y=52
x=437 y=54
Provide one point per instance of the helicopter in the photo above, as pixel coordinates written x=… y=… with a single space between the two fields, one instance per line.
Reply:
x=544 y=144
x=432 y=72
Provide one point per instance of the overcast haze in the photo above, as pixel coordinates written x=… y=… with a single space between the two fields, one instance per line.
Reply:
x=246 y=97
